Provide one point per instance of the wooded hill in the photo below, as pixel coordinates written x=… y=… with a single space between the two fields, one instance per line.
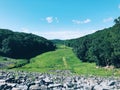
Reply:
x=101 y=47
x=22 y=45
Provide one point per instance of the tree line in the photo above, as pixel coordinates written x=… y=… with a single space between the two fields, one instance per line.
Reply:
x=22 y=45
x=101 y=47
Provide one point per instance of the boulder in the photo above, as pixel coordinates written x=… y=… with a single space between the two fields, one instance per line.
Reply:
x=34 y=87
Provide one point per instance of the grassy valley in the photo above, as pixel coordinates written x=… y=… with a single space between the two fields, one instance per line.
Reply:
x=64 y=59
x=87 y=55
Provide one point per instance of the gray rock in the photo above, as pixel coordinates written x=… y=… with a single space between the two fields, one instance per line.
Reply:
x=43 y=87
x=14 y=88
x=11 y=84
x=62 y=80
x=55 y=86
x=111 y=83
x=23 y=87
x=98 y=87
x=35 y=87
x=2 y=86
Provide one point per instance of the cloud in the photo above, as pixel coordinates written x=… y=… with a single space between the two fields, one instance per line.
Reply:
x=108 y=20
x=87 y=21
x=76 y=21
x=63 y=34
x=81 y=22
x=24 y=30
x=56 y=19
x=49 y=19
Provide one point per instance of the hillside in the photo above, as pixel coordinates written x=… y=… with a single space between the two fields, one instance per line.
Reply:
x=61 y=59
x=58 y=41
x=101 y=47
x=64 y=59
x=9 y=63
x=22 y=45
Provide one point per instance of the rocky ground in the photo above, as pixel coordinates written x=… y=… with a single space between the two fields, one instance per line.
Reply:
x=62 y=80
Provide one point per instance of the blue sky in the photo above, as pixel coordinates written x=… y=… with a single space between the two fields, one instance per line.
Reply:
x=58 y=19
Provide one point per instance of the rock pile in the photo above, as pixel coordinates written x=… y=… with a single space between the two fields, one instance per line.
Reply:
x=64 y=80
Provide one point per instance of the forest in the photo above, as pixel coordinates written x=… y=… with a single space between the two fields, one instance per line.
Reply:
x=23 y=45
x=101 y=47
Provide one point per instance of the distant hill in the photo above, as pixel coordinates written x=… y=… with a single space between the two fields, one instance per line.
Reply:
x=101 y=47
x=22 y=45
x=58 y=41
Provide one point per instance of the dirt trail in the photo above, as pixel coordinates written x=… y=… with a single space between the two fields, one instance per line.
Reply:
x=64 y=61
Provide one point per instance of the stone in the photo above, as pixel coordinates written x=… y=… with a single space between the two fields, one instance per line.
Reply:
x=35 y=87
x=111 y=83
x=2 y=86
x=11 y=84
x=14 y=88
x=55 y=85
x=98 y=87
x=2 y=81
x=43 y=87
x=23 y=87
x=19 y=80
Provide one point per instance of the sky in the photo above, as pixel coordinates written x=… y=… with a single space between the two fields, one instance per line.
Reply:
x=58 y=19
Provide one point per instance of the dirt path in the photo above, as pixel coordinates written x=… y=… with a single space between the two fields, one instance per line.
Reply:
x=64 y=62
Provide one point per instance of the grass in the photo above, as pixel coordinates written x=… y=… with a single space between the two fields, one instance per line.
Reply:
x=11 y=63
x=64 y=59
x=53 y=61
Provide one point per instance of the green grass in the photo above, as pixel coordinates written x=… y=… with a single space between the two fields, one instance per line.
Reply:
x=64 y=59
x=11 y=63
x=53 y=61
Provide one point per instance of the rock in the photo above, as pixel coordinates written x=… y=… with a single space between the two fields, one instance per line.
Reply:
x=35 y=87
x=14 y=88
x=111 y=83
x=19 y=80
x=1 y=77
x=43 y=87
x=2 y=86
x=2 y=81
x=23 y=87
x=98 y=87
x=47 y=81
x=55 y=85
x=8 y=87
x=10 y=80
x=104 y=83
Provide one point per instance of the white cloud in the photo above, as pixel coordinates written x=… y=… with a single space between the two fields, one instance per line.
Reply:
x=119 y=6
x=87 y=21
x=64 y=34
x=108 y=20
x=25 y=30
x=76 y=21
x=81 y=22
x=49 y=19
x=61 y=34
x=56 y=18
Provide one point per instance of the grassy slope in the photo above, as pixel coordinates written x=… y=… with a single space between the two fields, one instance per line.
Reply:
x=11 y=63
x=64 y=59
